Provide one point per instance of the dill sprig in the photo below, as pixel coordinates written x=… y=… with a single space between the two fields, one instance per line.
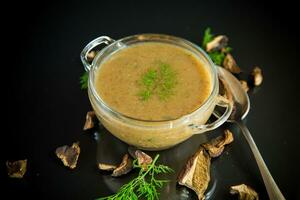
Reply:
x=145 y=185
x=84 y=80
x=207 y=37
x=159 y=81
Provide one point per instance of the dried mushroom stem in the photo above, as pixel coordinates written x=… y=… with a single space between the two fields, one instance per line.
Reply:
x=106 y=167
x=228 y=137
x=244 y=85
x=90 y=120
x=125 y=166
x=91 y=55
x=143 y=159
x=196 y=173
x=225 y=90
x=257 y=76
x=69 y=155
x=16 y=169
x=244 y=192
x=216 y=146
x=230 y=64
x=217 y=43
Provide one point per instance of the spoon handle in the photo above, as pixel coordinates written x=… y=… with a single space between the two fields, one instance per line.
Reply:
x=272 y=188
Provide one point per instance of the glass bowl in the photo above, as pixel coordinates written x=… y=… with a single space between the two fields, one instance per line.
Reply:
x=153 y=135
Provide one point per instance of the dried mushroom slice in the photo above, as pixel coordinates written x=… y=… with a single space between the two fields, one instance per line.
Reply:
x=69 y=155
x=257 y=76
x=90 y=56
x=245 y=192
x=225 y=90
x=213 y=150
x=244 y=85
x=125 y=166
x=106 y=167
x=90 y=120
x=230 y=64
x=196 y=173
x=143 y=159
x=227 y=137
x=16 y=169
x=217 y=43
x=215 y=147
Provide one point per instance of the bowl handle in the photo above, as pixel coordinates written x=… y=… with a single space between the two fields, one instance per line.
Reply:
x=83 y=55
x=222 y=102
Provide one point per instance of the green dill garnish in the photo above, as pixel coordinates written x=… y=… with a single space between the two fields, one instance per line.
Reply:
x=227 y=49
x=145 y=185
x=84 y=80
x=216 y=56
x=167 y=81
x=148 y=82
x=207 y=37
x=149 y=78
x=158 y=81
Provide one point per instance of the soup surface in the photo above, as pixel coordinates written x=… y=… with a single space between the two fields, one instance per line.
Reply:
x=153 y=81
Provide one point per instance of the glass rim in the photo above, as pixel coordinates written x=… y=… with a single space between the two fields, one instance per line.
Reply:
x=147 y=37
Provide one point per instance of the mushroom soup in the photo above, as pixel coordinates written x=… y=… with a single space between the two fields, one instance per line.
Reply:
x=153 y=81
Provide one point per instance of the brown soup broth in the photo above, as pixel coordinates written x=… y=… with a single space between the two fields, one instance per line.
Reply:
x=153 y=81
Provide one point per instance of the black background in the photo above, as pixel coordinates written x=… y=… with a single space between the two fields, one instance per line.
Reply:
x=44 y=107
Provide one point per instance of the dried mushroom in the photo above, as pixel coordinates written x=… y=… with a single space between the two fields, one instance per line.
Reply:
x=216 y=146
x=196 y=173
x=125 y=166
x=244 y=85
x=228 y=137
x=16 y=169
x=143 y=159
x=230 y=64
x=90 y=120
x=106 y=167
x=245 y=192
x=257 y=76
x=225 y=90
x=213 y=150
x=69 y=155
x=217 y=43
x=91 y=55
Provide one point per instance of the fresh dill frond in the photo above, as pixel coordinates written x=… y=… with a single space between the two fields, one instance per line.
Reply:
x=149 y=78
x=145 y=185
x=159 y=80
x=84 y=80
x=167 y=81
x=207 y=37
x=148 y=84
x=217 y=57
x=145 y=94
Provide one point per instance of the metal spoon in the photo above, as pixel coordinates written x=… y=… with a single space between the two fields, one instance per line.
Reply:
x=242 y=107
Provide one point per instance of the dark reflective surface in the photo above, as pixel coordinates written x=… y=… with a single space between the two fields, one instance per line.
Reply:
x=234 y=166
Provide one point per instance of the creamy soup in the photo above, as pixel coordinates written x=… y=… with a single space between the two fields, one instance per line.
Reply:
x=153 y=81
